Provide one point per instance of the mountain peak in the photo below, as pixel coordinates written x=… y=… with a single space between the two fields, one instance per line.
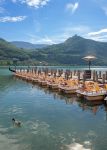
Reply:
x=73 y=38
x=76 y=36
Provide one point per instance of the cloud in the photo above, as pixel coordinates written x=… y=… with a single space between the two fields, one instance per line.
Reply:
x=65 y=33
x=98 y=32
x=41 y=40
x=100 y=35
x=12 y=19
x=102 y=5
x=33 y=3
x=100 y=38
x=81 y=29
x=70 y=31
x=72 y=7
x=60 y=36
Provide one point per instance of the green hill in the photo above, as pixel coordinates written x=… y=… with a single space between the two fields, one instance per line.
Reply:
x=7 y=51
x=69 y=52
x=72 y=50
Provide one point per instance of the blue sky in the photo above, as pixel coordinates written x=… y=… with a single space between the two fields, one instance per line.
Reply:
x=52 y=21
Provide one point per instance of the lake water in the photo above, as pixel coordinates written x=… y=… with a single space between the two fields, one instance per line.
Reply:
x=50 y=121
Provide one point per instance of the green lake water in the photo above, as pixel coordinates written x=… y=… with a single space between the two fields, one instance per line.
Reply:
x=49 y=120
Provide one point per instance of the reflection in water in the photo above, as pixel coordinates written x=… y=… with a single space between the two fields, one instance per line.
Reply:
x=93 y=106
x=50 y=120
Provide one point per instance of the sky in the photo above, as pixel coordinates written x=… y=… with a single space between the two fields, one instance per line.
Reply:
x=52 y=21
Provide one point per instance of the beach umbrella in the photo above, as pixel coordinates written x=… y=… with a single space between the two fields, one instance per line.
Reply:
x=89 y=58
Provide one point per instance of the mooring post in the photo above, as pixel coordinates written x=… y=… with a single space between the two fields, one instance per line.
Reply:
x=71 y=74
x=106 y=75
x=103 y=78
x=94 y=75
x=100 y=74
x=84 y=79
x=78 y=75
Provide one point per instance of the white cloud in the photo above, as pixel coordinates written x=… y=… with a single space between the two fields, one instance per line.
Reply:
x=71 y=31
x=102 y=5
x=12 y=19
x=65 y=33
x=98 y=32
x=34 y=3
x=41 y=40
x=72 y=7
x=60 y=36
x=80 y=30
x=101 y=38
x=46 y=40
x=100 y=35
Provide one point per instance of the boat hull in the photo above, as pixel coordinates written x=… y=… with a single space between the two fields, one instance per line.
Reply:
x=67 y=90
x=94 y=98
x=43 y=83
x=54 y=87
x=71 y=91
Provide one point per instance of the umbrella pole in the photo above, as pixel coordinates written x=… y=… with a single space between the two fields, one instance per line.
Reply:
x=89 y=64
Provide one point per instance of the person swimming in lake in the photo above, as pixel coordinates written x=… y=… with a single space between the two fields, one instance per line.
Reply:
x=16 y=122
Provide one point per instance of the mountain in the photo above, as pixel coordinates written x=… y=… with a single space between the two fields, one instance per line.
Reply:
x=69 y=52
x=72 y=50
x=9 y=51
x=27 y=45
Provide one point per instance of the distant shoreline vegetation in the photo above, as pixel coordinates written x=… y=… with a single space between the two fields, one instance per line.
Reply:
x=35 y=63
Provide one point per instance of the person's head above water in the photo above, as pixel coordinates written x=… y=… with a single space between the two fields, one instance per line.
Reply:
x=13 y=119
